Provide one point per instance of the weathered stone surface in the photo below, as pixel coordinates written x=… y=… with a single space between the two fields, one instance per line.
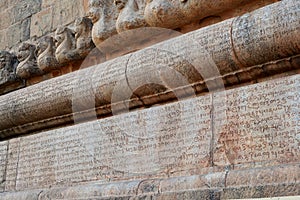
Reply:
x=74 y=44
x=65 y=12
x=3 y=164
x=3 y=39
x=175 y=14
x=65 y=44
x=12 y=164
x=258 y=124
x=83 y=36
x=122 y=147
x=103 y=15
x=41 y=22
x=190 y=187
x=190 y=54
x=25 y=29
x=131 y=14
x=28 y=63
x=45 y=51
x=177 y=139
x=24 y=9
x=257 y=183
x=8 y=64
x=6 y=18
x=13 y=34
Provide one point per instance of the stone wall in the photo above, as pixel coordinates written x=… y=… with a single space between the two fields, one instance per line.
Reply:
x=239 y=143
x=150 y=113
x=24 y=20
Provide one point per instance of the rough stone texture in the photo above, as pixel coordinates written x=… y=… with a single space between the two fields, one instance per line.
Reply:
x=159 y=65
x=177 y=139
x=41 y=22
x=3 y=164
x=118 y=148
x=259 y=124
x=22 y=20
x=209 y=186
x=241 y=143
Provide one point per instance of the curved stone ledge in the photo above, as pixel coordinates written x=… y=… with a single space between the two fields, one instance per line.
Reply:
x=209 y=186
x=233 y=46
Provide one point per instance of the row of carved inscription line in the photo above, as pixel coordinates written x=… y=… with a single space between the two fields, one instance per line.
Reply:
x=105 y=18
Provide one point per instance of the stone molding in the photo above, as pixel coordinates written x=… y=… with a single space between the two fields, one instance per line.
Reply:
x=211 y=185
x=113 y=17
x=236 y=45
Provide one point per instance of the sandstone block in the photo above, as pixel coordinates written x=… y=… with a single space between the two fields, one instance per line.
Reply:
x=3 y=39
x=132 y=145
x=24 y=9
x=41 y=22
x=3 y=160
x=6 y=18
x=258 y=123
x=13 y=34
x=25 y=29
x=65 y=12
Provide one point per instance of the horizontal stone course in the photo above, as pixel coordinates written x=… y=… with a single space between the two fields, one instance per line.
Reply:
x=189 y=187
x=189 y=137
x=200 y=57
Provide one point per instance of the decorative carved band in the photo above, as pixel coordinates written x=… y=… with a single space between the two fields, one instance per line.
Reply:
x=235 y=45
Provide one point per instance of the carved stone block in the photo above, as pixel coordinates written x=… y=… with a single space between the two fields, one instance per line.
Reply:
x=46 y=54
x=74 y=44
x=131 y=14
x=83 y=36
x=28 y=64
x=66 y=44
x=104 y=15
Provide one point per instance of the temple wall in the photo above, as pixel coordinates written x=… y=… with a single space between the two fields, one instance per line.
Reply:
x=149 y=99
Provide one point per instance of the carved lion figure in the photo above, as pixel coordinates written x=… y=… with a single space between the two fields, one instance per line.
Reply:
x=83 y=36
x=131 y=14
x=66 y=45
x=28 y=63
x=46 y=54
x=177 y=13
x=103 y=14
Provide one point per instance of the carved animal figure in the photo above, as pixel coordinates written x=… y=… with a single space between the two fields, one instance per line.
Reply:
x=131 y=14
x=66 y=45
x=28 y=64
x=83 y=36
x=46 y=54
x=8 y=64
x=177 y=13
x=104 y=15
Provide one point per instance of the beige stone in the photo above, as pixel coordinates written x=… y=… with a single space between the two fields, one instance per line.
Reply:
x=27 y=66
x=3 y=160
x=45 y=51
x=175 y=14
x=41 y=22
x=24 y=9
x=103 y=15
x=6 y=19
x=212 y=185
x=3 y=39
x=111 y=150
x=65 y=12
x=220 y=59
x=178 y=139
x=131 y=14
